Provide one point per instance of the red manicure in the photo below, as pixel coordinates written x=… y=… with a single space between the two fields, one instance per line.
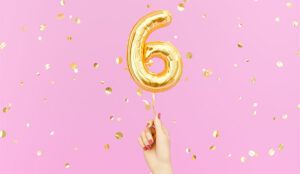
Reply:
x=145 y=148
x=150 y=141
x=147 y=124
x=148 y=146
x=158 y=115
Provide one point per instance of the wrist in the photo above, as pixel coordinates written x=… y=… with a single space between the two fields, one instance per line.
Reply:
x=163 y=169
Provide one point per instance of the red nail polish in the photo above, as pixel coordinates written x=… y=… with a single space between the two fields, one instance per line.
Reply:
x=145 y=148
x=158 y=115
x=148 y=146
x=147 y=124
x=150 y=141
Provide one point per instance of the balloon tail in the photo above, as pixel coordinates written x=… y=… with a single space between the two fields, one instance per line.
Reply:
x=153 y=103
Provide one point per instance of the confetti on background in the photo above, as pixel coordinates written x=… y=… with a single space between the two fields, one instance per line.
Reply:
x=236 y=107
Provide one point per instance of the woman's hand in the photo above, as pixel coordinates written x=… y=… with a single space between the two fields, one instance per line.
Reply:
x=155 y=142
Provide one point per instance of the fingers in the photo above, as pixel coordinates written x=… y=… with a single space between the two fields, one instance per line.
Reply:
x=150 y=123
x=149 y=136
x=142 y=143
x=145 y=140
x=158 y=124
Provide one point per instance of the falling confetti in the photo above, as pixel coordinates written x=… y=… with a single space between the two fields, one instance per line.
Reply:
x=255 y=104
x=52 y=82
x=69 y=38
x=180 y=7
x=126 y=100
x=277 y=19
x=62 y=2
x=75 y=148
x=253 y=80
x=106 y=146
x=119 y=119
x=119 y=135
x=108 y=90
x=229 y=155
x=2 y=133
x=52 y=133
x=284 y=116
x=207 y=73
x=24 y=28
x=39 y=153
x=243 y=159
x=139 y=92
x=27 y=124
x=240 y=45
x=288 y=4
x=279 y=64
x=2 y=45
x=60 y=16
x=77 y=20
x=212 y=147
x=187 y=150
x=298 y=106
x=204 y=16
x=189 y=55
x=47 y=66
x=96 y=65
x=74 y=67
x=252 y=153
x=235 y=65
x=111 y=117
x=254 y=112
x=240 y=25
x=43 y=27
x=40 y=38
x=119 y=60
x=148 y=5
x=67 y=165
x=194 y=157
x=295 y=23
x=216 y=134
x=280 y=147
x=102 y=82
x=271 y=152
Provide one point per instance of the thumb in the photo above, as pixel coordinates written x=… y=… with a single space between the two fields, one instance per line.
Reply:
x=158 y=124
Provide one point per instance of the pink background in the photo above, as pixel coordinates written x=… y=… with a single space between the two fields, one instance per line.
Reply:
x=78 y=110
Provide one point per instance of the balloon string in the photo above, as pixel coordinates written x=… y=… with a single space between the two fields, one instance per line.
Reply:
x=153 y=103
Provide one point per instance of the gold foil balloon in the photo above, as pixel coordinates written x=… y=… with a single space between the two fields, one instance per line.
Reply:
x=139 y=54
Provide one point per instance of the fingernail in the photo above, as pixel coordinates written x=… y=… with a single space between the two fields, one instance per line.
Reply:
x=147 y=124
x=150 y=141
x=148 y=146
x=145 y=148
x=158 y=115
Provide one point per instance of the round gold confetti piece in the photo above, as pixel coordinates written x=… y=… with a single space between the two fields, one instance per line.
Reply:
x=187 y=150
x=119 y=135
x=5 y=109
x=43 y=27
x=96 y=65
x=16 y=141
x=240 y=45
x=240 y=97
x=295 y=23
x=119 y=60
x=139 y=92
x=74 y=66
x=298 y=106
x=229 y=155
x=180 y=7
x=60 y=16
x=75 y=148
x=146 y=102
x=298 y=53
x=247 y=60
x=77 y=20
x=148 y=5
x=189 y=55
x=38 y=74
x=40 y=38
x=70 y=17
x=274 y=118
x=174 y=121
x=279 y=64
x=289 y=4
x=235 y=65
x=27 y=124
x=52 y=82
x=207 y=73
x=255 y=104
x=253 y=80
x=69 y=38
x=194 y=157
x=212 y=147
x=126 y=100
x=111 y=117
x=185 y=1
x=284 y=116
x=2 y=133
x=62 y=2
x=277 y=19
x=243 y=159
x=2 y=45
x=102 y=82
x=280 y=147
x=24 y=28
x=119 y=119
x=240 y=25
x=204 y=16
x=148 y=107
x=44 y=99
x=251 y=153
x=47 y=66
x=108 y=90
x=106 y=146
x=216 y=134
x=271 y=152
x=254 y=112
x=175 y=37
x=39 y=153
x=67 y=165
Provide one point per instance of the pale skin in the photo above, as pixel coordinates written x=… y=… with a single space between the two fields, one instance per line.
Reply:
x=155 y=143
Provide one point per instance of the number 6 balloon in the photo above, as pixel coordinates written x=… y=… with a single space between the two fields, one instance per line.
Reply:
x=139 y=53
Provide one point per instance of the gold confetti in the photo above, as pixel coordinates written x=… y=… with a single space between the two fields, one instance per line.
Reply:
x=119 y=135
x=218 y=78
x=102 y=82
x=174 y=121
x=38 y=74
x=194 y=157
x=279 y=64
x=16 y=141
x=253 y=80
x=187 y=150
x=175 y=37
x=39 y=153
x=204 y=16
x=148 y=107
x=288 y=4
x=216 y=134
x=22 y=83
x=40 y=38
x=69 y=38
x=111 y=117
x=229 y=155
x=139 y=92
x=70 y=17
x=212 y=147
x=254 y=112
x=73 y=78
x=119 y=60
x=180 y=7
x=189 y=55
x=148 y=5
x=24 y=28
x=44 y=99
x=247 y=60
x=251 y=153
x=186 y=79
x=240 y=45
x=67 y=165
x=27 y=124
x=60 y=16
x=108 y=90
x=96 y=65
x=126 y=100
x=74 y=66
x=185 y=1
x=284 y=116
x=47 y=66
x=277 y=19
x=207 y=73
x=62 y=2
x=298 y=53
x=77 y=20
x=240 y=25
x=52 y=82
x=298 y=106
x=271 y=152
x=274 y=118
x=2 y=133
x=43 y=27
x=243 y=159
x=295 y=23
x=240 y=97
x=146 y=102
x=52 y=133
x=75 y=148
x=2 y=45
x=235 y=65
x=255 y=104
x=119 y=119
x=106 y=146
x=125 y=69
x=280 y=147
